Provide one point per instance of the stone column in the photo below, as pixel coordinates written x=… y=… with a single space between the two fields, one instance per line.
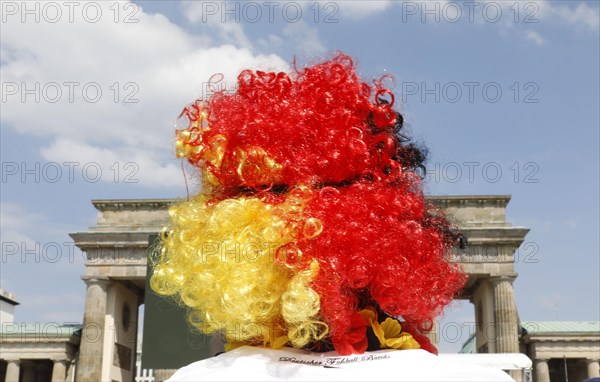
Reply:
x=12 y=371
x=542 y=373
x=505 y=315
x=89 y=365
x=59 y=370
x=593 y=368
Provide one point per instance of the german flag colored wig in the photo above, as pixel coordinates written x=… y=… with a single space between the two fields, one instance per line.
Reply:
x=311 y=229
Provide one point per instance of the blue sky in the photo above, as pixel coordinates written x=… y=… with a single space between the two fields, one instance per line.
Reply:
x=507 y=90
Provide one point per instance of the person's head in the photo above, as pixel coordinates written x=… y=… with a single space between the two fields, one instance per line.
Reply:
x=311 y=227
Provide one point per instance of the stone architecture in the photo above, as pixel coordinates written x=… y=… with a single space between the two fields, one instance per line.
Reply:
x=38 y=352
x=488 y=260
x=561 y=350
x=7 y=306
x=115 y=275
x=35 y=352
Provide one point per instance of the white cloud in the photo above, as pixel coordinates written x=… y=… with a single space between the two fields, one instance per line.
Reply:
x=28 y=237
x=13 y=241
x=542 y=11
x=270 y=42
x=551 y=302
x=35 y=246
x=213 y=15
x=516 y=17
x=24 y=230
x=582 y=16
x=534 y=36
x=356 y=9
x=107 y=165
x=15 y=217
x=305 y=39
x=146 y=72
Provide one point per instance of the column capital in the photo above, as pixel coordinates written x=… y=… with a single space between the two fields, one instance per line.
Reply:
x=541 y=370
x=13 y=371
x=495 y=280
x=101 y=281
x=59 y=370
x=593 y=368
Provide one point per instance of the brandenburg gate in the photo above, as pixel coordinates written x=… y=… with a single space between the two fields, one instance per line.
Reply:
x=116 y=266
